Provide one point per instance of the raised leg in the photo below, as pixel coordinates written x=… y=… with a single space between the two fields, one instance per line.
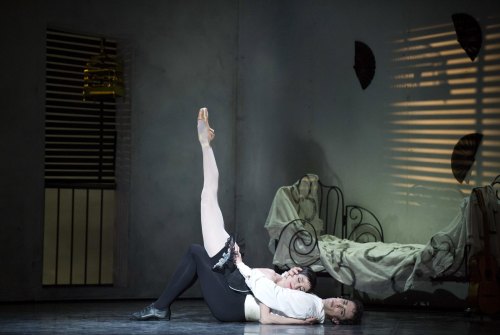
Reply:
x=212 y=222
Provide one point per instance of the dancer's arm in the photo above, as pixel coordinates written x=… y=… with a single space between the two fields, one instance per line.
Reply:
x=292 y=303
x=266 y=317
x=272 y=295
x=271 y=274
x=276 y=277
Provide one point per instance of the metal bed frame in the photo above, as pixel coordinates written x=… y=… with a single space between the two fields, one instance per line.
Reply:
x=356 y=223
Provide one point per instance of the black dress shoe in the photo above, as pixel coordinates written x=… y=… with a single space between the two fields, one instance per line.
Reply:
x=151 y=313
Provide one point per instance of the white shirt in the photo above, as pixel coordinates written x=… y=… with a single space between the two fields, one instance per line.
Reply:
x=283 y=301
x=252 y=309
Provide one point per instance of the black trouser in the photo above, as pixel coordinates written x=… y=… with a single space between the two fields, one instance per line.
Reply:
x=224 y=303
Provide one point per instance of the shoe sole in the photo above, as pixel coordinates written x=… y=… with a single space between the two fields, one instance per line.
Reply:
x=150 y=318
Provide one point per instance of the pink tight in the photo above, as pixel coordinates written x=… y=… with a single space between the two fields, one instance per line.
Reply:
x=212 y=222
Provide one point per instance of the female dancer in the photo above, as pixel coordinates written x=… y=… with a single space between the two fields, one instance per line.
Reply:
x=225 y=303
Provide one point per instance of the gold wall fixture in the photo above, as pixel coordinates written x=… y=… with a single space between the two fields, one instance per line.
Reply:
x=103 y=76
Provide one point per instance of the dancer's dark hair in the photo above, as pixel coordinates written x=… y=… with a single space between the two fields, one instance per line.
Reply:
x=310 y=275
x=357 y=315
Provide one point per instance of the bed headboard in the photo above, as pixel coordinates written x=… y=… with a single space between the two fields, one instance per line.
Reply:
x=357 y=223
x=352 y=222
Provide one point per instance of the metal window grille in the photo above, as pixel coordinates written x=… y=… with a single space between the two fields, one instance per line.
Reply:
x=80 y=148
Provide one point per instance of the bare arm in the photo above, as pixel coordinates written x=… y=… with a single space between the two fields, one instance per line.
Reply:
x=276 y=277
x=271 y=274
x=266 y=317
x=296 y=304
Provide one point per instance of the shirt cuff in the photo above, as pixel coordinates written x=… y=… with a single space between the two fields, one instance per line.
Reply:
x=244 y=269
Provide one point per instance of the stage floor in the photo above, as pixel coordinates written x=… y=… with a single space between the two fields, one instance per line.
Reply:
x=193 y=317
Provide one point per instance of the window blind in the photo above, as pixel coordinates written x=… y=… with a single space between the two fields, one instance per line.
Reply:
x=80 y=135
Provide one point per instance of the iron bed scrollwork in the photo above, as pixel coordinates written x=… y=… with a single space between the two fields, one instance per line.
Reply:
x=356 y=223
x=444 y=258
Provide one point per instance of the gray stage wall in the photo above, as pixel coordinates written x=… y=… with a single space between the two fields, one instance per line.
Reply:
x=182 y=56
x=278 y=80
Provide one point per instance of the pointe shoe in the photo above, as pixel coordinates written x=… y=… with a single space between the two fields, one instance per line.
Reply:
x=205 y=139
x=203 y=114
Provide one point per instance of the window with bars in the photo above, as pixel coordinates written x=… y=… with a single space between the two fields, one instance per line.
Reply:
x=80 y=150
x=80 y=135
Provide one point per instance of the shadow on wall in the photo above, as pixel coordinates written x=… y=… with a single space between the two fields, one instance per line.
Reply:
x=302 y=156
x=447 y=97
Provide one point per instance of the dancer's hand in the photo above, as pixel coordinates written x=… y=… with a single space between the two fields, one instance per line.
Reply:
x=293 y=271
x=237 y=255
x=311 y=321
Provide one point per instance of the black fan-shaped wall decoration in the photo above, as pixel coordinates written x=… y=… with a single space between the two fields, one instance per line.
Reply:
x=364 y=63
x=469 y=34
x=464 y=155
